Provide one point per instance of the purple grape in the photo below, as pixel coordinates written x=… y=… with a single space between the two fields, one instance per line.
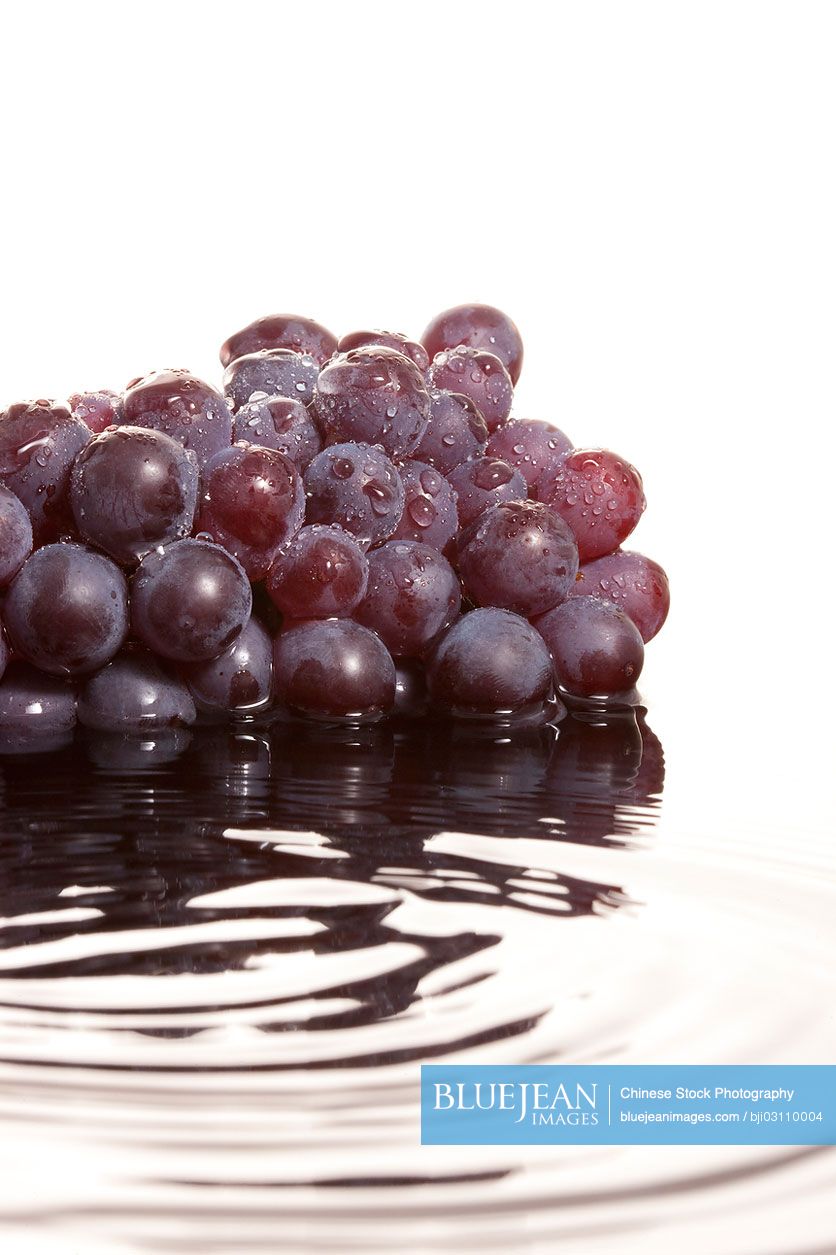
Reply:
x=413 y=595
x=270 y=373
x=239 y=680
x=252 y=502
x=534 y=447
x=15 y=535
x=358 y=487
x=66 y=610
x=279 y=423
x=132 y=489
x=183 y=407
x=599 y=494
x=4 y=653
x=334 y=668
x=39 y=441
x=637 y=585
x=134 y=694
x=596 y=648
x=490 y=662
x=478 y=327
x=98 y=410
x=430 y=514
x=411 y=699
x=190 y=601
x=483 y=483
x=34 y=708
x=455 y=433
x=321 y=573
x=519 y=555
x=373 y=395
x=480 y=376
x=281 y=331
x=388 y=340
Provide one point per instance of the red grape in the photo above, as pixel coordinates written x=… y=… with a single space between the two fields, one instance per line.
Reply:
x=637 y=585
x=413 y=595
x=430 y=513
x=489 y=662
x=279 y=423
x=240 y=680
x=599 y=494
x=358 y=487
x=281 y=331
x=34 y=705
x=533 y=447
x=270 y=373
x=98 y=410
x=520 y=555
x=596 y=648
x=39 y=441
x=480 y=376
x=478 y=327
x=322 y=572
x=388 y=340
x=455 y=433
x=482 y=483
x=183 y=407
x=133 y=693
x=15 y=535
x=334 y=668
x=376 y=396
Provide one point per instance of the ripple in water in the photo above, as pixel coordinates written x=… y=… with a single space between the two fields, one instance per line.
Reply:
x=225 y=956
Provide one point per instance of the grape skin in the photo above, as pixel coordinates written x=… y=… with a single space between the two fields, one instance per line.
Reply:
x=597 y=650
x=599 y=494
x=430 y=514
x=66 y=610
x=270 y=373
x=238 y=681
x=480 y=376
x=413 y=595
x=375 y=396
x=519 y=555
x=33 y=704
x=183 y=407
x=482 y=483
x=281 y=423
x=455 y=433
x=281 y=331
x=132 y=489
x=189 y=601
x=134 y=693
x=334 y=668
x=534 y=447
x=99 y=410
x=388 y=340
x=357 y=487
x=321 y=573
x=636 y=584
x=39 y=441
x=15 y=535
x=478 y=327
x=490 y=661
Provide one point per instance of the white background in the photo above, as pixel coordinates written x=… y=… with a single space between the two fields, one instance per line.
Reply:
x=648 y=189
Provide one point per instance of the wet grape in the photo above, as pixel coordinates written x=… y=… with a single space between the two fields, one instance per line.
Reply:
x=34 y=705
x=281 y=331
x=482 y=483
x=599 y=494
x=39 y=441
x=637 y=585
x=373 y=395
x=98 y=410
x=279 y=423
x=413 y=595
x=240 y=680
x=480 y=376
x=321 y=573
x=455 y=433
x=490 y=661
x=357 y=487
x=478 y=327
x=183 y=407
x=519 y=555
x=430 y=514
x=388 y=340
x=15 y=535
x=134 y=693
x=334 y=668
x=270 y=373
x=534 y=447
x=597 y=649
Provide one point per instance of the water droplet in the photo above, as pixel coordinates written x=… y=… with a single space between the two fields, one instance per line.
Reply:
x=421 y=511
x=343 y=468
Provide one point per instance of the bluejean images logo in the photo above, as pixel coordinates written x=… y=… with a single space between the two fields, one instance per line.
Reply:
x=543 y=1102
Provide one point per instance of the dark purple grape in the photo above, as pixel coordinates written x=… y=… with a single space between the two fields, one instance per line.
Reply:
x=411 y=698
x=15 y=535
x=490 y=662
x=270 y=373
x=455 y=433
x=252 y=502
x=597 y=649
x=4 y=653
x=39 y=441
x=430 y=513
x=482 y=483
x=599 y=494
x=321 y=573
x=358 y=487
x=519 y=555
x=281 y=331
x=279 y=423
x=413 y=595
x=534 y=447
x=34 y=708
x=376 y=396
x=132 y=489
x=388 y=340
x=240 y=680
x=182 y=406
x=478 y=327
x=637 y=585
x=98 y=410
x=66 y=610
x=334 y=668
x=133 y=693
x=480 y=376
x=190 y=601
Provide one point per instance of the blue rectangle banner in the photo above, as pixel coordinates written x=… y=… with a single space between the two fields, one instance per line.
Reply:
x=635 y=1105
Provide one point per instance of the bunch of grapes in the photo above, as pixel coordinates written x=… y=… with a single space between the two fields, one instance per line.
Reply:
x=350 y=528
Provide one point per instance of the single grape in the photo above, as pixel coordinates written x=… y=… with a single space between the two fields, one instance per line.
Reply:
x=637 y=585
x=240 y=680
x=15 y=535
x=183 y=407
x=189 y=601
x=358 y=487
x=133 y=693
x=270 y=373
x=413 y=595
x=98 y=410
x=596 y=648
x=388 y=340
x=599 y=494
x=279 y=423
x=334 y=668
x=480 y=376
x=534 y=447
x=430 y=513
x=411 y=699
x=519 y=555
x=39 y=441
x=132 y=489
x=252 y=502
x=33 y=706
x=455 y=433
x=321 y=573
x=482 y=483
x=478 y=327
x=373 y=395
x=66 y=610
x=489 y=662
x=281 y=331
